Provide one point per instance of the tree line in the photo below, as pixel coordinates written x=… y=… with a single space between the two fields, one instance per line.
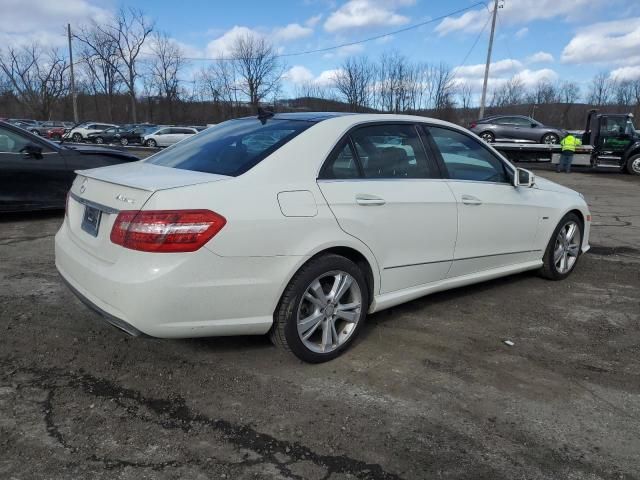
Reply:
x=129 y=71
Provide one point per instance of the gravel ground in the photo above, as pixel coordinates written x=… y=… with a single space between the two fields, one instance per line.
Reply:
x=428 y=391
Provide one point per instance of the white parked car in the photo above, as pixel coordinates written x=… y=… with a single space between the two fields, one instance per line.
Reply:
x=167 y=136
x=299 y=225
x=80 y=132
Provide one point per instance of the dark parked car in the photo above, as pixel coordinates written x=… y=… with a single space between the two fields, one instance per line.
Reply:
x=122 y=135
x=515 y=127
x=35 y=174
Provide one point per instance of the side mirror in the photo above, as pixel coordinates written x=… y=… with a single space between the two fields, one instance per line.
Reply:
x=32 y=150
x=524 y=178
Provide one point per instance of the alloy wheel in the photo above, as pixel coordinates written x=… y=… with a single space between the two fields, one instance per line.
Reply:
x=567 y=247
x=329 y=311
x=550 y=139
x=635 y=166
x=487 y=137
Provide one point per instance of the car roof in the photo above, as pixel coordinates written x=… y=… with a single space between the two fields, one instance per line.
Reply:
x=305 y=116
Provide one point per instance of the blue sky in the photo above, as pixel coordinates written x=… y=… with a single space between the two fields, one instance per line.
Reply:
x=536 y=39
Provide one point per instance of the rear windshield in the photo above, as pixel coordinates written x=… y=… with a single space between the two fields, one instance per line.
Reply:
x=230 y=148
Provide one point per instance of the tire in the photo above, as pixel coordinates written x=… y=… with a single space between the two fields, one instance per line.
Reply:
x=297 y=303
x=552 y=267
x=124 y=141
x=151 y=143
x=550 y=139
x=99 y=140
x=633 y=165
x=488 y=137
x=76 y=137
x=35 y=132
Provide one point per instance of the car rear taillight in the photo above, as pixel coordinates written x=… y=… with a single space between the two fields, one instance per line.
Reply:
x=473 y=125
x=166 y=230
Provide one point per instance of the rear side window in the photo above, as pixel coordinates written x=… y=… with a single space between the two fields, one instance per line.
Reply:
x=230 y=148
x=392 y=151
x=466 y=158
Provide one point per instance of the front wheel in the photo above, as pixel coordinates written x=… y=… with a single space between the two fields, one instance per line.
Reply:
x=76 y=137
x=35 y=132
x=488 y=137
x=633 y=165
x=550 y=139
x=99 y=140
x=322 y=309
x=151 y=143
x=563 y=250
x=124 y=141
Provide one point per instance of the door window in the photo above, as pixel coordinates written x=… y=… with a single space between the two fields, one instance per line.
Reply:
x=11 y=142
x=392 y=151
x=466 y=159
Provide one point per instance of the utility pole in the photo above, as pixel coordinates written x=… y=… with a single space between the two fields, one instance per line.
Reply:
x=73 y=80
x=486 y=68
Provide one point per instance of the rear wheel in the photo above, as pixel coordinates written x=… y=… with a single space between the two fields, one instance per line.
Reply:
x=99 y=140
x=633 y=165
x=151 y=143
x=550 y=138
x=35 y=132
x=322 y=309
x=563 y=250
x=488 y=137
x=124 y=141
x=76 y=137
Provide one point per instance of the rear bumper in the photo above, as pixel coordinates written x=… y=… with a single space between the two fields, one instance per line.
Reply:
x=110 y=319
x=176 y=295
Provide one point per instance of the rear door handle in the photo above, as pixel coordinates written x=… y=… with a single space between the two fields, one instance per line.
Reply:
x=369 y=200
x=471 y=200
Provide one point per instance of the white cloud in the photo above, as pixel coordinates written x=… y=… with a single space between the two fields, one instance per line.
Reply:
x=501 y=72
x=626 y=73
x=540 y=57
x=302 y=75
x=617 y=41
x=293 y=31
x=223 y=45
x=367 y=14
x=521 y=33
x=313 y=21
x=299 y=75
x=517 y=12
x=45 y=21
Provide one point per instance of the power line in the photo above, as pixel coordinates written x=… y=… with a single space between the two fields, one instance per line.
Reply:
x=348 y=44
x=466 y=57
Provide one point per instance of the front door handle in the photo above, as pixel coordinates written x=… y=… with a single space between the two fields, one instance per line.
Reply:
x=471 y=200
x=369 y=200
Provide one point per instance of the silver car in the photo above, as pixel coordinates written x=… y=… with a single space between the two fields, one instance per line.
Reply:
x=515 y=127
x=166 y=136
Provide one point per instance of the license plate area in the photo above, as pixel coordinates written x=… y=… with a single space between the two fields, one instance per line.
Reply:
x=91 y=220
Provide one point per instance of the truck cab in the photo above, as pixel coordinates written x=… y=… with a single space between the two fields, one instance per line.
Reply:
x=615 y=141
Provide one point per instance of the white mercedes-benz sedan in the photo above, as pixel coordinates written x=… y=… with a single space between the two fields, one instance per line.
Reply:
x=299 y=225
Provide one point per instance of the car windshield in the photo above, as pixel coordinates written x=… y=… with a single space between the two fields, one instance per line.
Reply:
x=230 y=148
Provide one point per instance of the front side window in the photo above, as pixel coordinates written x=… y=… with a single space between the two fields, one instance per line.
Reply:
x=392 y=151
x=232 y=147
x=11 y=142
x=466 y=158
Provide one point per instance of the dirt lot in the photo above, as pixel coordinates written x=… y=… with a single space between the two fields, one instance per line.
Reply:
x=429 y=391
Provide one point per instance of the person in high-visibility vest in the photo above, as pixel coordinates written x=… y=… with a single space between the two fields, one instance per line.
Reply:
x=569 y=144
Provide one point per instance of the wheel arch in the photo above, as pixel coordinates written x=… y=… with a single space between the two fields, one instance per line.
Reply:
x=364 y=259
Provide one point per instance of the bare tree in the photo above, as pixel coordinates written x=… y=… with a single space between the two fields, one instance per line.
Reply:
x=600 y=89
x=258 y=70
x=543 y=92
x=165 y=67
x=37 y=77
x=396 y=83
x=510 y=93
x=217 y=83
x=443 y=87
x=354 y=81
x=568 y=92
x=100 y=61
x=465 y=94
x=128 y=31
x=623 y=92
